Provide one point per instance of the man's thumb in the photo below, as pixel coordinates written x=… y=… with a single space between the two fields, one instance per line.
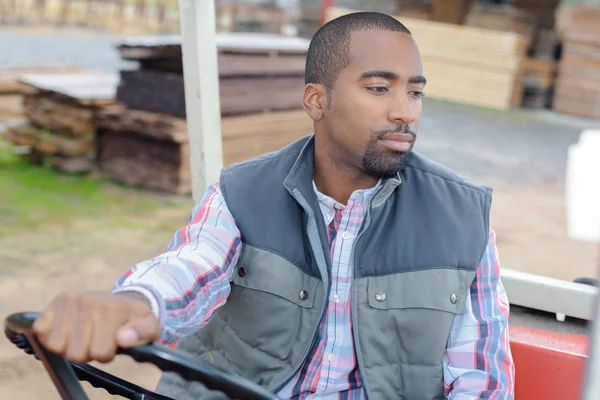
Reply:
x=138 y=332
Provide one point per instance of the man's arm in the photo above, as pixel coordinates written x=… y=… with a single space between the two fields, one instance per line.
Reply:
x=478 y=362
x=187 y=283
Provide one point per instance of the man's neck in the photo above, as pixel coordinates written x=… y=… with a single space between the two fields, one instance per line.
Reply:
x=339 y=181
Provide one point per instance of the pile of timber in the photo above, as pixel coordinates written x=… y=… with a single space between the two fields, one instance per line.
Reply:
x=142 y=140
x=11 y=106
x=151 y=150
x=578 y=84
x=257 y=73
x=468 y=65
x=60 y=111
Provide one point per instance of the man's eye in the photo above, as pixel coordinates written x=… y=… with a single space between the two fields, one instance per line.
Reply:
x=378 y=89
x=417 y=94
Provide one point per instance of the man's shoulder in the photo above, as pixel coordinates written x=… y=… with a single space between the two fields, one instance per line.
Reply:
x=422 y=164
x=286 y=155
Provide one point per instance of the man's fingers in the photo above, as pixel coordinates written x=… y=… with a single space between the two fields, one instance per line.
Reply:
x=59 y=331
x=80 y=335
x=87 y=326
x=103 y=346
x=138 y=332
x=42 y=324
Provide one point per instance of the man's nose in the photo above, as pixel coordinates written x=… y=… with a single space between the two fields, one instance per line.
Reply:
x=401 y=110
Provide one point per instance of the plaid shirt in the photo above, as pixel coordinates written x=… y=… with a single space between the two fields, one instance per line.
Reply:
x=191 y=280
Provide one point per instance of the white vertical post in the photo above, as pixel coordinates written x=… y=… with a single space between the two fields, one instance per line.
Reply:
x=203 y=108
x=591 y=383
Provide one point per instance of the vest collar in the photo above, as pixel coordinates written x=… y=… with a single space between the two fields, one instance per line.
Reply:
x=301 y=177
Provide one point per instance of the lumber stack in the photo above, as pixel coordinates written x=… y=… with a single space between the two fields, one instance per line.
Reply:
x=577 y=89
x=151 y=150
x=468 y=65
x=11 y=106
x=144 y=149
x=250 y=66
x=143 y=138
x=60 y=111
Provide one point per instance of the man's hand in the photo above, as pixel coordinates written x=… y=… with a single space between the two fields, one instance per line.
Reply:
x=90 y=326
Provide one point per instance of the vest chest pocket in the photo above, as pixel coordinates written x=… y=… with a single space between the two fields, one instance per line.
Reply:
x=267 y=272
x=441 y=289
x=408 y=317
x=271 y=308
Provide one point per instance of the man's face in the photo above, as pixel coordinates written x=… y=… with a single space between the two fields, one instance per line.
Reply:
x=375 y=106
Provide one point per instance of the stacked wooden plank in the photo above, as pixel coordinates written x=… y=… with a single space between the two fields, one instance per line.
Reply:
x=151 y=150
x=10 y=75
x=577 y=89
x=250 y=65
x=11 y=101
x=469 y=65
x=144 y=149
x=61 y=117
x=143 y=140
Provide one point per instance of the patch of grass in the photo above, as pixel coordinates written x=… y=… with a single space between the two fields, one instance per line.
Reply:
x=32 y=197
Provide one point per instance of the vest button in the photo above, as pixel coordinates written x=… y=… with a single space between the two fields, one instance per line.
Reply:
x=380 y=296
x=303 y=295
x=242 y=272
x=453 y=298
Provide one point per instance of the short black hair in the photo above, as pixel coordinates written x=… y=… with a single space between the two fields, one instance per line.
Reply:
x=329 y=49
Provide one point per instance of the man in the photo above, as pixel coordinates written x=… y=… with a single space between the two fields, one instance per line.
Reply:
x=344 y=266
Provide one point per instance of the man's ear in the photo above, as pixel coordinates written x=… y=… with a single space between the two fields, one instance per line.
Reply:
x=315 y=100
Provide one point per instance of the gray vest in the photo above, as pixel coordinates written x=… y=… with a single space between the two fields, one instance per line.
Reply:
x=415 y=258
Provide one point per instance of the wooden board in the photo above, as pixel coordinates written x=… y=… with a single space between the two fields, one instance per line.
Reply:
x=10 y=75
x=468 y=85
x=59 y=115
x=23 y=135
x=150 y=150
x=578 y=83
x=89 y=89
x=156 y=125
x=169 y=46
x=580 y=17
x=501 y=18
x=450 y=11
x=164 y=92
x=11 y=106
x=143 y=161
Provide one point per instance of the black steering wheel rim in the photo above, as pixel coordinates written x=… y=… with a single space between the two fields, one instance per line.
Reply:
x=66 y=375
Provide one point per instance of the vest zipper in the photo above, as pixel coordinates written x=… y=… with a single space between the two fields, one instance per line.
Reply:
x=354 y=299
x=325 y=280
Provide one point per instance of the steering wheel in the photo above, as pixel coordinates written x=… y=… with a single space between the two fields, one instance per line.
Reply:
x=66 y=375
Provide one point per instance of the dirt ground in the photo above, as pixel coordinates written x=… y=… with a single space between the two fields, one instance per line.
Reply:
x=530 y=224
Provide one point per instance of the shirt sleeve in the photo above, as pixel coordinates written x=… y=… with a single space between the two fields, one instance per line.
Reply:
x=478 y=362
x=191 y=280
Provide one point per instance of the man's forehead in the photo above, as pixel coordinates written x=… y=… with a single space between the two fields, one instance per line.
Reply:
x=376 y=49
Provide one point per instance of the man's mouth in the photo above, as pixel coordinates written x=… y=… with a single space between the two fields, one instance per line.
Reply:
x=398 y=141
